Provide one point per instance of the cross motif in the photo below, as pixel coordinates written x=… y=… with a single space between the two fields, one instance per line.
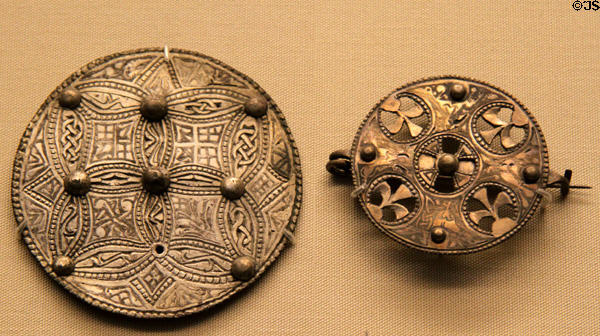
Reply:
x=197 y=144
x=113 y=141
x=153 y=278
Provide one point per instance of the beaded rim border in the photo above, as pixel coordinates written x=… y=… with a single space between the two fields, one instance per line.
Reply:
x=18 y=211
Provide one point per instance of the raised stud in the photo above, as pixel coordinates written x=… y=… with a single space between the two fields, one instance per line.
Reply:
x=63 y=265
x=232 y=187
x=447 y=164
x=531 y=174
x=256 y=106
x=70 y=98
x=458 y=92
x=368 y=152
x=155 y=180
x=438 y=235
x=77 y=183
x=243 y=268
x=154 y=108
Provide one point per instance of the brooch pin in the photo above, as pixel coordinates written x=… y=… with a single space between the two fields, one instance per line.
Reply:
x=449 y=165
x=156 y=183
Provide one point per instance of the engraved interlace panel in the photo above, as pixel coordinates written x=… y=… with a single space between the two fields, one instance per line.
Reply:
x=145 y=254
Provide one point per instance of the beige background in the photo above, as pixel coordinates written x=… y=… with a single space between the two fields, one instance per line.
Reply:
x=326 y=64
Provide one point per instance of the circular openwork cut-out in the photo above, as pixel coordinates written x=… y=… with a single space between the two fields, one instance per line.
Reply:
x=429 y=160
x=120 y=183
x=501 y=127
x=491 y=208
x=392 y=199
x=476 y=159
x=404 y=117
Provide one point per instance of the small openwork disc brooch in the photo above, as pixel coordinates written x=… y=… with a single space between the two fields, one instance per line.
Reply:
x=156 y=183
x=449 y=165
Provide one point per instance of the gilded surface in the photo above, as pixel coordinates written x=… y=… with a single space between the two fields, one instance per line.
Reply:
x=484 y=200
x=152 y=255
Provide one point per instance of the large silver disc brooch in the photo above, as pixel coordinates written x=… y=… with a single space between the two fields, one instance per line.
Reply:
x=449 y=165
x=156 y=183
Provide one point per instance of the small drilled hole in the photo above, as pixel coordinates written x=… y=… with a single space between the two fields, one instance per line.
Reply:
x=159 y=249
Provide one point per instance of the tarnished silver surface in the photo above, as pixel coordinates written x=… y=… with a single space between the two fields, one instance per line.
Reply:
x=117 y=182
x=459 y=165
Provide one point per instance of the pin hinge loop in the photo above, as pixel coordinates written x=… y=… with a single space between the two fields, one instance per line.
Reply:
x=340 y=163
